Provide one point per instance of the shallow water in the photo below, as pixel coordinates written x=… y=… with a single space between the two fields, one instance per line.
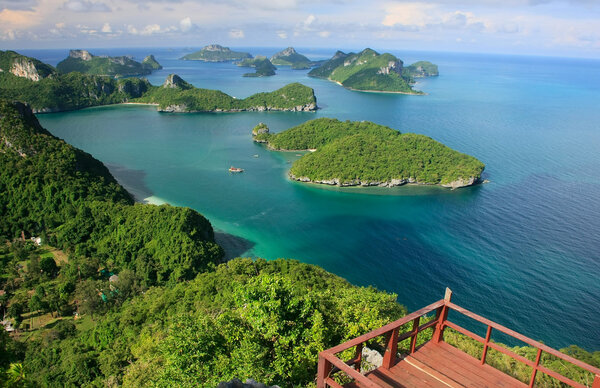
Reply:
x=523 y=250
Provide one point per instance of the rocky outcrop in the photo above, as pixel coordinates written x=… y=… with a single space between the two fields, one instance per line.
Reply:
x=462 y=183
x=81 y=54
x=259 y=129
x=174 y=81
x=250 y=383
x=285 y=53
x=392 y=67
x=151 y=63
x=392 y=183
x=22 y=67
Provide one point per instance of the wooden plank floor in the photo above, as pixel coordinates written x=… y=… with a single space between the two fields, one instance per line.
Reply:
x=441 y=366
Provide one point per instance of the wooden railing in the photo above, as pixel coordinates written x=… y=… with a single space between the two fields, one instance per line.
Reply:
x=329 y=363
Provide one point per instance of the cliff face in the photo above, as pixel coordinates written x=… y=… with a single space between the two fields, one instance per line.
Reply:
x=26 y=69
x=392 y=67
x=81 y=54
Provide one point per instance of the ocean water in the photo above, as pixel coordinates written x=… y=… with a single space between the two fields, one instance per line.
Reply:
x=522 y=250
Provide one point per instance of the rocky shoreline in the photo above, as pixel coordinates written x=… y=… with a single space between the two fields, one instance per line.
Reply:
x=182 y=108
x=393 y=183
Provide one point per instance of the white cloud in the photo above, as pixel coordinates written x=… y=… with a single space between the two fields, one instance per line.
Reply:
x=106 y=28
x=150 y=29
x=186 y=24
x=324 y=34
x=236 y=33
x=85 y=6
x=282 y=34
x=132 y=30
x=60 y=25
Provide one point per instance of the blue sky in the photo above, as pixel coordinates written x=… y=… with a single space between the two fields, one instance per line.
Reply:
x=537 y=27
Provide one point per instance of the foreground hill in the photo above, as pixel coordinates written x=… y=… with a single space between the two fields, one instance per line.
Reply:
x=84 y=62
x=364 y=153
x=216 y=53
x=368 y=71
x=60 y=92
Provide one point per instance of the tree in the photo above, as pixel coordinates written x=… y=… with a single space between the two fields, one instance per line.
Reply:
x=48 y=266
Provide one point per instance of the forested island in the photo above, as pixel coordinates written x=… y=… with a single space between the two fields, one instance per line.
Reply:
x=290 y=57
x=124 y=294
x=264 y=67
x=83 y=61
x=362 y=153
x=216 y=53
x=46 y=90
x=371 y=71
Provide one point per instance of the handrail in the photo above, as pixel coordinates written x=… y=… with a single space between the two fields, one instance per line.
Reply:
x=521 y=337
x=328 y=358
x=385 y=329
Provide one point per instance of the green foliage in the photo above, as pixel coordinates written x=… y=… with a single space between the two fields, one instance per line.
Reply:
x=70 y=91
x=49 y=267
x=50 y=187
x=368 y=71
x=289 y=57
x=258 y=319
x=205 y=100
x=111 y=66
x=355 y=152
x=263 y=66
x=421 y=69
x=216 y=53
x=43 y=180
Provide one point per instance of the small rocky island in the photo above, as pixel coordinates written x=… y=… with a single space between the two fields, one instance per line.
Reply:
x=362 y=153
x=373 y=72
x=216 y=53
x=83 y=61
x=264 y=67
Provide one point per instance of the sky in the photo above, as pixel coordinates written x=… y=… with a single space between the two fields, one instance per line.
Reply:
x=537 y=27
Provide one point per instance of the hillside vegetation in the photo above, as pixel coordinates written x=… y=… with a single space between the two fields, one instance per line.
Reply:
x=52 y=189
x=290 y=57
x=371 y=71
x=60 y=92
x=264 y=67
x=84 y=62
x=216 y=53
x=364 y=153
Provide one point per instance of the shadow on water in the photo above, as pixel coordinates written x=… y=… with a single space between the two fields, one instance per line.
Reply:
x=234 y=246
x=132 y=180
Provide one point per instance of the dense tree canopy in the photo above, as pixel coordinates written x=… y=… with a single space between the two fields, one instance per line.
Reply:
x=365 y=152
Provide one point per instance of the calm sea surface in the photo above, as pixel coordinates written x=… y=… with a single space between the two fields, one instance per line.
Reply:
x=523 y=250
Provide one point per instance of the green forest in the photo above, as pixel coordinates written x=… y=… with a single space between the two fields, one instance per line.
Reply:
x=357 y=152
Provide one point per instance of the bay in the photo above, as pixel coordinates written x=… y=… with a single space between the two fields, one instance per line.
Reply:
x=523 y=250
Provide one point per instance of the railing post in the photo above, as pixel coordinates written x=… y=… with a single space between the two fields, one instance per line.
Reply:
x=413 y=339
x=596 y=383
x=438 y=335
x=389 y=358
x=485 y=344
x=358 y=356
x=323 y=370
x=535 y=368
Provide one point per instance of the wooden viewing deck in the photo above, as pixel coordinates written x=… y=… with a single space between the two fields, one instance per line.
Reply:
x=436 y=363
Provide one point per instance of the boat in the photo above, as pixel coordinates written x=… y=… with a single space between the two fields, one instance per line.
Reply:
x=235 y=169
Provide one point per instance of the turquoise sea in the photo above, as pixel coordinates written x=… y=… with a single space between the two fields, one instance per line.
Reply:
x=523 y=250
